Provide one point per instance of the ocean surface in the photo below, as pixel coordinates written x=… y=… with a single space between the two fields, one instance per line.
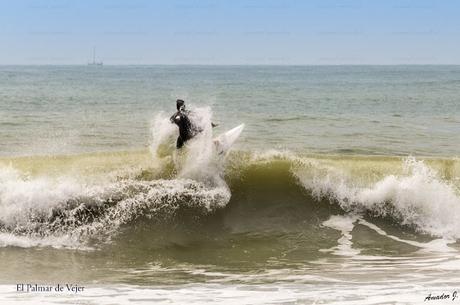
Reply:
x=344 y=187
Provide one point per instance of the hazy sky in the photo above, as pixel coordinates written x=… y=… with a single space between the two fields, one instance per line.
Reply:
x=230 y=32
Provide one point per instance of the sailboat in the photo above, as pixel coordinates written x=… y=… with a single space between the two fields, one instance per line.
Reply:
x=94 y=63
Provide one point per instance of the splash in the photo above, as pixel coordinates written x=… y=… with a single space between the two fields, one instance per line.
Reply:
x=69 y=210
x=66 y=212
x=197 y=159
x=163 y=136
x=418 y=197
x=72 y=209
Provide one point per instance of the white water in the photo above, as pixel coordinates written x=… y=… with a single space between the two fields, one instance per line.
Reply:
x=25 y=201
x=27 y=205
x=196 y=160
x=419 y=197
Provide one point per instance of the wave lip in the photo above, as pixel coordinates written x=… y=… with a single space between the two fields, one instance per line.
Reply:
x=66 y=213
x=417 y=197
x=268 y=191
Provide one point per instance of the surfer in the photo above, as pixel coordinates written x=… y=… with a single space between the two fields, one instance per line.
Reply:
x=187 y=129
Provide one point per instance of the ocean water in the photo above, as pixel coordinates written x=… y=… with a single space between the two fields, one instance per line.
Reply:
x=344 y=187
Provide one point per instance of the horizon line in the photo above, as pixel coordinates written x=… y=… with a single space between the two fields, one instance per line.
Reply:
x=234 y=65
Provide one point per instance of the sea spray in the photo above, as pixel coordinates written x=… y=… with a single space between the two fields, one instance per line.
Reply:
x=197 y=159
x=65 y=212
x=163 y=136
x=23 y=199
x=157 y=201
x=70 y=209
x=418 y=197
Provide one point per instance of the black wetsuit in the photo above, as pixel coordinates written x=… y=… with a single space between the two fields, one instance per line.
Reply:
x=186 y=128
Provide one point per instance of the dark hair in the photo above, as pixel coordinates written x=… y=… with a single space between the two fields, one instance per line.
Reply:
x=179 y=103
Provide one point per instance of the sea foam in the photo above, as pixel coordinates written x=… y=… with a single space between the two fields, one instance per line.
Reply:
x=418 y=197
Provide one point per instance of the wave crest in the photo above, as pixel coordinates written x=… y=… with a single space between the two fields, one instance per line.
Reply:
x=417 y=197
x=268 y=191
x=64 y=212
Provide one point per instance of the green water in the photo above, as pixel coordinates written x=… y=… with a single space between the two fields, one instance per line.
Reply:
x=344 y=187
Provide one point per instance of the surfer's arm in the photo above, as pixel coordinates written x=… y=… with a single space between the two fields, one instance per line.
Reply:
x=174 y=117
x=214 y=125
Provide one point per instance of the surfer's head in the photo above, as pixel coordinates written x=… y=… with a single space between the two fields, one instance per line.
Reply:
x=180 y=104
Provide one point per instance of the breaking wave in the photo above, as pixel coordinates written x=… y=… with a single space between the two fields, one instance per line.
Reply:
x=66 y=211
x=85 y=201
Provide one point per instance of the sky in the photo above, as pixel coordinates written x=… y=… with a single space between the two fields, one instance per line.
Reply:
x=230 y=32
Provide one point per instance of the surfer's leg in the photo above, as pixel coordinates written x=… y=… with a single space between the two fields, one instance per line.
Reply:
x=179 y=142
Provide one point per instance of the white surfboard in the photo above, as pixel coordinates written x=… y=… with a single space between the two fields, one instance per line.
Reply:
x=226 y=140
